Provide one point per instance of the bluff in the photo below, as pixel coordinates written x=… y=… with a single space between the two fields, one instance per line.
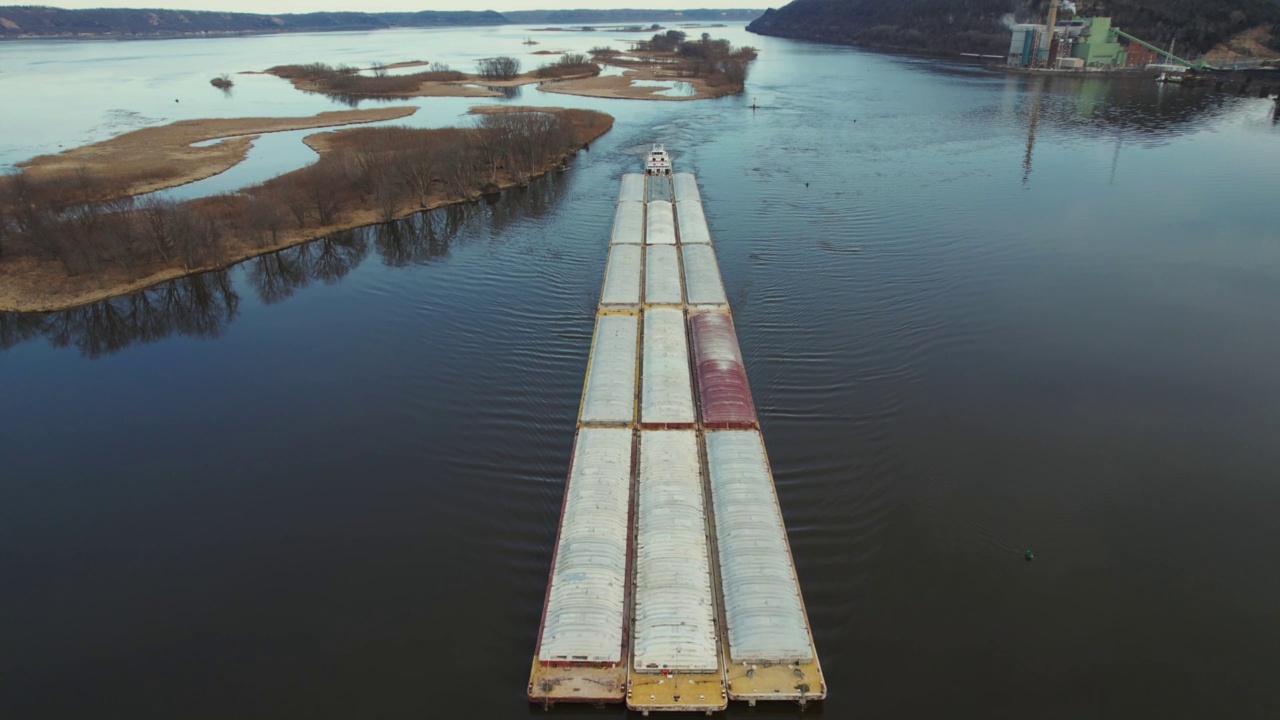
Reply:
x=30 y=21
x=979 y=26
x=628 y=16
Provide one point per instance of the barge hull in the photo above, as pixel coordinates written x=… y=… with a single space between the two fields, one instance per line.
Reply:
x=707 y=606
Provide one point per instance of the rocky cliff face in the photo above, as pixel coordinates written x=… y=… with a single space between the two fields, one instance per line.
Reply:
x=979 y=26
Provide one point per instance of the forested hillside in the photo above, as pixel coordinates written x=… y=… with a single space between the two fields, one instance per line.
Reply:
x=35 y=21
x=580 y=17
x=30 y=21
x=951 y=26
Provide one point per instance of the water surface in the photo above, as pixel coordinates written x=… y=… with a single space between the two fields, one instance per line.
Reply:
x=981 y=314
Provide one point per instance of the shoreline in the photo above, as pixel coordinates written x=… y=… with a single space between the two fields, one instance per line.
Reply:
x=41 y=279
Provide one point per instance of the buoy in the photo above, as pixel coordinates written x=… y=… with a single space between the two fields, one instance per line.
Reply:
x=1030 y=556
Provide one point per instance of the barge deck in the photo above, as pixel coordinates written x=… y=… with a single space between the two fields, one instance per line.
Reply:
x=672 y=585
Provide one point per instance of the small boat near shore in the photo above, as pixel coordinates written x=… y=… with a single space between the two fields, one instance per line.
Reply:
x=1165 y=77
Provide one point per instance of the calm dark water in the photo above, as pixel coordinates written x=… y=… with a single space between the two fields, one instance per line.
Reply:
x=981 y=314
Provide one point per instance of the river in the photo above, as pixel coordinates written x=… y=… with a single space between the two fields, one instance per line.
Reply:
x=982 y=314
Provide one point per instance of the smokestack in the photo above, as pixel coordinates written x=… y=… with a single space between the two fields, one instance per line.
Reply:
x=1052 y=36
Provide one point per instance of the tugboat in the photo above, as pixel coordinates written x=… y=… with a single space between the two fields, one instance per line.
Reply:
x=658 y=163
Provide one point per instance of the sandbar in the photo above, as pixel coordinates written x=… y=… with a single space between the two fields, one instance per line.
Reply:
x=619 y=86
x=162 y=157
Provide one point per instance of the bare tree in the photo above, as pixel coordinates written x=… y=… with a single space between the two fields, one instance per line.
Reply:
x=294 y=199
x=8 y=221
x=262 y=216
x=196 y=235
x=158 y=217
x=387 y=196
x=499 y=68
x=321 y=187
x=118 y=232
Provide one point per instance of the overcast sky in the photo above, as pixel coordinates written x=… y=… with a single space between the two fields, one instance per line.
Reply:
x=301 y=6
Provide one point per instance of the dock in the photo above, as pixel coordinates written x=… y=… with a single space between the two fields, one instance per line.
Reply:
x=672 y=584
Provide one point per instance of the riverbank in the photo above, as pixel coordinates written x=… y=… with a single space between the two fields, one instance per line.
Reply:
x=157 y=158
x=365 y=176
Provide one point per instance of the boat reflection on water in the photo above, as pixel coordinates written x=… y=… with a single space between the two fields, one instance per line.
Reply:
x=204 y=305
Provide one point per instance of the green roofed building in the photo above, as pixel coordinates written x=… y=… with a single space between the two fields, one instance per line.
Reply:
x=1099 y=44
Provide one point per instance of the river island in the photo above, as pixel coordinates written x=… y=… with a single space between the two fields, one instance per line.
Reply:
x=93 y=222
x=709 y=68
x=74 y=232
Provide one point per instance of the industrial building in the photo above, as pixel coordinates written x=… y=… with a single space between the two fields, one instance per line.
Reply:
x=1076 y=44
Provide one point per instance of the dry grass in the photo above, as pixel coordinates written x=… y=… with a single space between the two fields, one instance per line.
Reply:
x=619 y=86
x=162 y=157
x=1245 y=47
x=406 y=64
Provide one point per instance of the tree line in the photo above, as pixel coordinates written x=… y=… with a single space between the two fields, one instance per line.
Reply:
x=715 y=61
x=347 y=80
x=204 y=304
x=569 y=64
x=952 y=26
x=39 y=20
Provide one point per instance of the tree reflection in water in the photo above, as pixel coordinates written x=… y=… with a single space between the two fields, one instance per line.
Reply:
x=279 y=275
x=422 y=238
x=204 y=305
x=195 y=306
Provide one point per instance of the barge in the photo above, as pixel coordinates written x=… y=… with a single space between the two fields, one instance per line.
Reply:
x=672 y=584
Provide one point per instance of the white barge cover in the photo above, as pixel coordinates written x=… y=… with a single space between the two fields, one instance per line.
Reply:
x=628 y=223
x=622 y=277
x=632 y=188
x=693 y=223
x=702 y=277
x=586 y=603
x=660 y=226
x=610 y=394
x=763 y=611
x=666 y=391
x=662 y=276
x=675 y=617
x=686 y=187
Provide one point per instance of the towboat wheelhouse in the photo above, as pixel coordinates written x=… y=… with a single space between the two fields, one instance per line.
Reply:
x=658 y=162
